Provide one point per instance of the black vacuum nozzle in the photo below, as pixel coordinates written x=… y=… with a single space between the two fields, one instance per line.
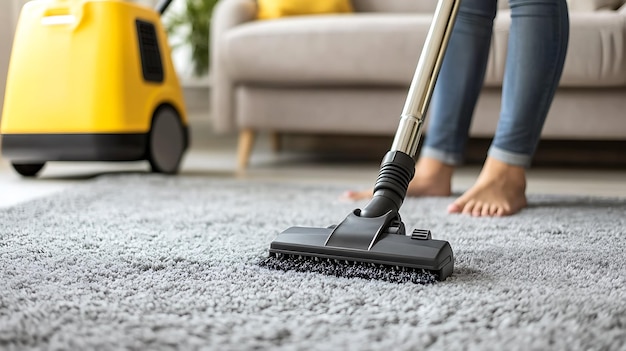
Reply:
x=374 y=237
x=378 y=246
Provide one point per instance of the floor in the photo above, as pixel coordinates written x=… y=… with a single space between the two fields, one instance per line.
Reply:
x=214 y=156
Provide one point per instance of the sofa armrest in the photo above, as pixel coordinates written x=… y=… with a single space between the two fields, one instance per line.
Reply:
x=227 y=14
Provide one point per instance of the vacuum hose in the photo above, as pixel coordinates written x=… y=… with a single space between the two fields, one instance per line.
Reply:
x=162 y=6
x=396 y=171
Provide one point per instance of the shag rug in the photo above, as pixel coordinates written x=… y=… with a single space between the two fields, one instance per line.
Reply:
x=147 y=262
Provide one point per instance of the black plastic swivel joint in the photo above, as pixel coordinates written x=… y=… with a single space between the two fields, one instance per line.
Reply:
x=396 y=171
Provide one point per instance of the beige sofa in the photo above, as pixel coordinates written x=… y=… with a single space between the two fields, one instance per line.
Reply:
x=349 y=74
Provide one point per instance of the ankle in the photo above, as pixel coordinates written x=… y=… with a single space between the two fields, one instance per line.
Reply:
x=496 y=170
x=427 y=167
x=432 y=178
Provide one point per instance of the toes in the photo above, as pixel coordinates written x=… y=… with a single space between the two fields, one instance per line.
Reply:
x=477 y=209
x=458 y=206
x=480 y=208
x=455 y=208
x=347 y=195
x=486 y=210
x=505 y=210
x=461 y=206
x=469 y=206
x=499 y=211
x=493 y=210
x=356 y=195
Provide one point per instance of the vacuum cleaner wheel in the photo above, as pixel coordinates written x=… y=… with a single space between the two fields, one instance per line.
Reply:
x=28 y=169
x=167 y=141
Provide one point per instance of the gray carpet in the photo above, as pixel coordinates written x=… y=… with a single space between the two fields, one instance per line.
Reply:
x=146 y=262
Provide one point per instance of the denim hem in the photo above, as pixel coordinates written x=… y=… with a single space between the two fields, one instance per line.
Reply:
x=448 y=158
x=510 y=158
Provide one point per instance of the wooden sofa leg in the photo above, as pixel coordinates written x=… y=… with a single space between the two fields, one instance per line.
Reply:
x=244 y=149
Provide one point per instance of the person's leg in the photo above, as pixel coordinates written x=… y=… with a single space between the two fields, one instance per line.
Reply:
x=536 y=54
x=454 y=98
x=460 y=82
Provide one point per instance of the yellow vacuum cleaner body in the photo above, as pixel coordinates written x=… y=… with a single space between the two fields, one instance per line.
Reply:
x=92 y=80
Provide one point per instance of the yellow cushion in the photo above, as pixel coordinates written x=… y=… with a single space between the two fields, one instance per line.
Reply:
x=280 y=8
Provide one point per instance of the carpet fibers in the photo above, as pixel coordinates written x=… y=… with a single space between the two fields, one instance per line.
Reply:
x=145 y=262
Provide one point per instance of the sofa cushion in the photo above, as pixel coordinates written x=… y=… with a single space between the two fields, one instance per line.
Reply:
x=397 y=6
x=596 y=54
x=429 y=6
x=408 y=6
x=268 y=9
x=594 y=5
x=383 y=49
x=334 y=50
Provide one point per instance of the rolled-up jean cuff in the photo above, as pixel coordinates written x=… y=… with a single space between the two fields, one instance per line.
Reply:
x=445 y=157
x=510 y=158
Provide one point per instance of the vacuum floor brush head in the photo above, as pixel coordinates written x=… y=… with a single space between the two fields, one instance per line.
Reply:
x=348 y=269
x=370 y=248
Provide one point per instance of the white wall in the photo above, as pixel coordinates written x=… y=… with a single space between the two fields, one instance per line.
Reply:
x=151 y=3
x=6 y=39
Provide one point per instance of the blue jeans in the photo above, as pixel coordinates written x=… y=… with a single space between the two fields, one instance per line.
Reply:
x=537 y=45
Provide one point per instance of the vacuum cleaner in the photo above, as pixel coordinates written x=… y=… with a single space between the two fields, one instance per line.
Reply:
x=375 y=236
x=92 y=80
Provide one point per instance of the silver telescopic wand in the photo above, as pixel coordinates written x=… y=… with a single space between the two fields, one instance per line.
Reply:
x=414 y=113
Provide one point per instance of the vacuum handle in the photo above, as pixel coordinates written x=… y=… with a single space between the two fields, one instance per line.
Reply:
x=414 y=112
x=162 y=6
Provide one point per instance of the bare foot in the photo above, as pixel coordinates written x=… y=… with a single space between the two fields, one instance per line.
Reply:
x=499 y=191
x=432 y=178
